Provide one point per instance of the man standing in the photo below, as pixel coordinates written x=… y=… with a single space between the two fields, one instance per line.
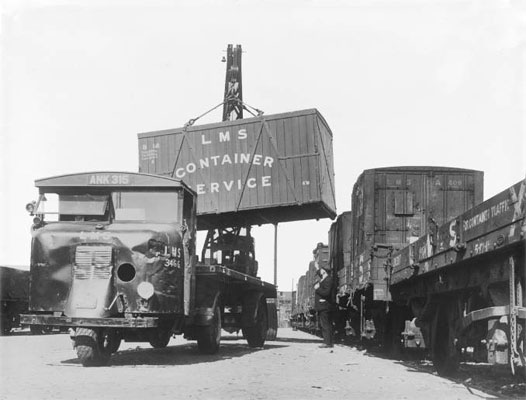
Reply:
x=322 y=304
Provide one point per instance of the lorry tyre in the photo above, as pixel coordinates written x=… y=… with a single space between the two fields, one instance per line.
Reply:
x=257 y=334
x=209 y=337
x=36 y=330
x=159 y=338
x=272 y=334
x=113 y=340
x=93 y=347
x=40 y=329
x=272 y=321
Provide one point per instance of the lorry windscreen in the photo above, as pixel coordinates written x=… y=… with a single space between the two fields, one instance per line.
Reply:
x=146 y=206
x=70 y=207
x=83 y=204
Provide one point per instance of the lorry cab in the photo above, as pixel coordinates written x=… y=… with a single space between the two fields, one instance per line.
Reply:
x=112 y=246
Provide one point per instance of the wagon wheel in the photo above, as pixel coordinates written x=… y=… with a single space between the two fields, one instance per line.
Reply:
x=5 y=329
x=445 y=353
x=392 y=339
x=257 y=334
x=521 y=347
x=209 y=337
x=516 y=328
x=94 y=347
x=159 y=338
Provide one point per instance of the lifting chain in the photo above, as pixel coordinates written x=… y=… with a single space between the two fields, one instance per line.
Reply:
x=245 y=105
x=193 y=120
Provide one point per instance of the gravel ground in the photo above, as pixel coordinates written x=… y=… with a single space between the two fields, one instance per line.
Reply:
x=291 y=367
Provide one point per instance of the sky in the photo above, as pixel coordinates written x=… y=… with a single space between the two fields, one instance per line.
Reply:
x=407 y=82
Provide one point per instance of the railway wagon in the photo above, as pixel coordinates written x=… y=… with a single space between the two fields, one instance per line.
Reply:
x=304 y=316
x=340 y=251
x=305 y=289
x=301 y=287
x=464 y=282
x=392 y=207
x=14 y=285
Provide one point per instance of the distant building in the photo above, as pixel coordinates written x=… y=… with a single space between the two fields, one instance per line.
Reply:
x=286 y=300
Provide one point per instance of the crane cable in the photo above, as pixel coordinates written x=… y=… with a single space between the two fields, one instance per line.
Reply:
x=245 y=106
x=192 y=120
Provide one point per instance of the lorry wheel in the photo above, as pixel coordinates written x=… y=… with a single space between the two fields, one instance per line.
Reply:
x=257 y=334
x=93 y=347
x=36 y=330
x=209 y=337
x=272 y=321
x=40 y=329
x=112 y=340
x=159 y=338
x=272 y=334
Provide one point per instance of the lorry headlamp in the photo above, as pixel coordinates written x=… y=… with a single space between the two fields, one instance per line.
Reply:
x=30 y=207
x=156 y=246
x=145 y=290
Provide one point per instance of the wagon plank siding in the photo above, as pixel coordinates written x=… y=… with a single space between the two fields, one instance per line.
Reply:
x=395 y=206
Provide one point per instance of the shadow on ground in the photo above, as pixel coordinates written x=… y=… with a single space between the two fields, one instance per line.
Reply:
x=495 y=380
x=297 y=340
x=183 y=354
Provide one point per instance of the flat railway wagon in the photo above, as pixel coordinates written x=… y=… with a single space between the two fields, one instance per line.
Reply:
x=392 y=207
x=14 y=284
x=464 y=283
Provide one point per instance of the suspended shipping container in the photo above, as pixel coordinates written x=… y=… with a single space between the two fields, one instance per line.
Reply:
x=253 y=171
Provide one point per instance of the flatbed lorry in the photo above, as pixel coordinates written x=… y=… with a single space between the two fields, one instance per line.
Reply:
x=113 y=258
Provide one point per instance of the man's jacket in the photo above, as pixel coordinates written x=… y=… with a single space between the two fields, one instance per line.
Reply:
x=322 y=295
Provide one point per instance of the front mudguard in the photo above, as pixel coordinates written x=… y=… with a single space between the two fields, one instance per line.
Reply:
x=204 y=312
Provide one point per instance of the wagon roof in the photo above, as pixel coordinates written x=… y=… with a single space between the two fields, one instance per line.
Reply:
x=414 y=168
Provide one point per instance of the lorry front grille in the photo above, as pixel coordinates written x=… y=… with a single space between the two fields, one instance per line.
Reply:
x=92 y=262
